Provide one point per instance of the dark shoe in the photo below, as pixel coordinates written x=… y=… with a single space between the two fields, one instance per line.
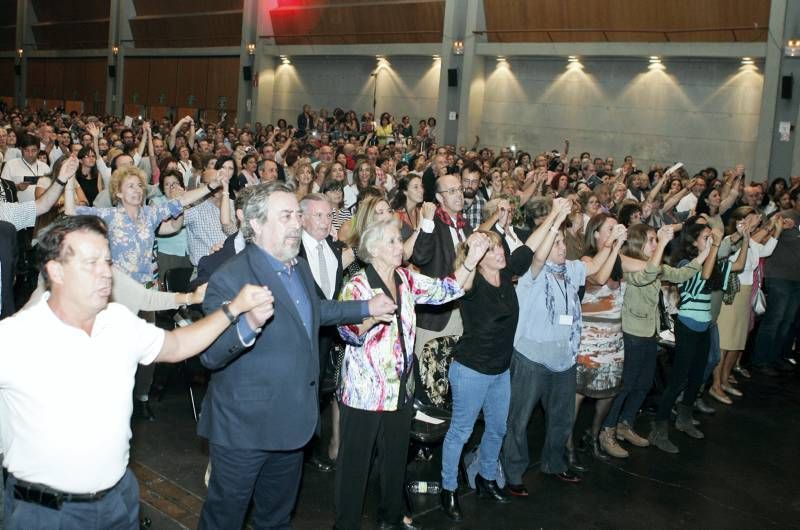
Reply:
x=785 y=366
x=766 y=370
x=450 y=506
x=574 y=462
x=488 y=489
x=320 y=464
x=593 y=445
x=701 y=406
x=142 y=411
x=517 y=490
x=685 y=422
x=568 y=476
x=659 y=437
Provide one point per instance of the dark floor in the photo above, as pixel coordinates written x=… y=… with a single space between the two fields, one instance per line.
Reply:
x=743 y=475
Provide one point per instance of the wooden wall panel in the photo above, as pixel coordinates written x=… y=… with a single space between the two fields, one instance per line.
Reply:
x=54 y=79
x=136 y=82
x=93 y=89
x=626 y=20
x=7 y=77
x=163 y=78
x=50 y=11
x=223 y=79
x=363 y=23
x=8 y=37
x=36 y=78
x=192 y=82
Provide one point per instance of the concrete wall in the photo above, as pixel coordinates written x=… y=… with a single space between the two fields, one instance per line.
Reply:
x=701 y=112
x=406 y=85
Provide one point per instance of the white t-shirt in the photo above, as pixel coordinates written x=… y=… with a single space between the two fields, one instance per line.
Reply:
x=17 y=169
x=65 y=397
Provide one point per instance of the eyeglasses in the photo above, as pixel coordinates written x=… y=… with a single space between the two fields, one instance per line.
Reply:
x=452 y=191
x=469 y=182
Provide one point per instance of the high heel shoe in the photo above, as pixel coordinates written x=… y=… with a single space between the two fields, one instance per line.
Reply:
x=450 y=505
x=593 y=445
x=488 y=489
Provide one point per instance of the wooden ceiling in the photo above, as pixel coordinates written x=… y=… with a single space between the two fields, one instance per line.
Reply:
x=71 y=25
x=357 y=21
x=187 y=23
x=626 y=20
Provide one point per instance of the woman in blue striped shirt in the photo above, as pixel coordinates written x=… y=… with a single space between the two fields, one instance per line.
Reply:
x=692 y=334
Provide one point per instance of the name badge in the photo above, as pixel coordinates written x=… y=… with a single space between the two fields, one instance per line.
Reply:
x=564 y=320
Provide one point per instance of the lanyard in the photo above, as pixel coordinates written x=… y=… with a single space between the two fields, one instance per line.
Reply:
x=29 y=166
x=564 y=292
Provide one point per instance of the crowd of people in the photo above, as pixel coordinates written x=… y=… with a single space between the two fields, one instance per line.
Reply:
x=340 y=248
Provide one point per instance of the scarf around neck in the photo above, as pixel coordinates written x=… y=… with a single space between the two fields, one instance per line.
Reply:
x=573 y=304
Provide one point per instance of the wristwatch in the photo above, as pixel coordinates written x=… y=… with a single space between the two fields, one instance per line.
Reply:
x=226 y=310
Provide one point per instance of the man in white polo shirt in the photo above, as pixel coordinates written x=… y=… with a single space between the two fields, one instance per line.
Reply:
x=66 y=375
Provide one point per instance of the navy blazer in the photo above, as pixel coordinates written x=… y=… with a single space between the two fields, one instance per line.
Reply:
x=208 y=264
x=264 y=396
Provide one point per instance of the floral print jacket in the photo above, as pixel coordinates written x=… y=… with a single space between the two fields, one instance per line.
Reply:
x=376 y=372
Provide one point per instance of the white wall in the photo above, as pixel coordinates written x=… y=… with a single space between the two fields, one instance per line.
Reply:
x=701 y=112
x=406 y=85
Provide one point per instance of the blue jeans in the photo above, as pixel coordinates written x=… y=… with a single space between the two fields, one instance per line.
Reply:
x=119 y=509
x=637 y=378
x=530 y=383
x=688 y=366
x=473 y=392
x=714 y=354
x=783 y=301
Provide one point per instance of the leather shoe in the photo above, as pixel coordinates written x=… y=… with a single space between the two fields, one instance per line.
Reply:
x=785 y=366
x=517 y=490
x=321 y=465
x=488 y=489
x=142 y=411
x=568 y=476
x=574 y=462
x=450 y=506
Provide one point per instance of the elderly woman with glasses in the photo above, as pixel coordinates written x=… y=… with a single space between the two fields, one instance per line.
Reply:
x=376 y=385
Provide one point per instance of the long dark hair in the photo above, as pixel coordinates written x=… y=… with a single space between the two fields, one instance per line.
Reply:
x=397 y=197
x=93 y=172
x=686 y=249
x=590 y=242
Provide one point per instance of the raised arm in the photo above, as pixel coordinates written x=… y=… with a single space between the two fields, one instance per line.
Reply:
x=191 y=137
x=174 y=132
x=65 y=177
x=673 y=201
x=543 y=250
x=614 y=244
x=536 y=238
x=478 y=245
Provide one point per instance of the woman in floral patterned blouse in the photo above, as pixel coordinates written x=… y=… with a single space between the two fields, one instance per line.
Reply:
x=131 y=225
x=376 y=385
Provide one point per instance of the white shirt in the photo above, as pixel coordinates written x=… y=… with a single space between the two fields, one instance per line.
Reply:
x=350 y=195
x=687 y=204
x=754 y=254
x=65 y=397
x=512 y=240
x=311 y=247
x=427 y=226
x=105 y=169
x=17 y=169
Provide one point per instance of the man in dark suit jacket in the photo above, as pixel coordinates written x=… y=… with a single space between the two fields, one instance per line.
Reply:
x=207 y=265
x=304 y=121
x=261 y=406
x=435 y=253
x=324 y=257
x=8 y=267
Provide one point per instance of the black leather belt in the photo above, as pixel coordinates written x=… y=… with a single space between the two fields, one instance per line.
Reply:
x=49 y=497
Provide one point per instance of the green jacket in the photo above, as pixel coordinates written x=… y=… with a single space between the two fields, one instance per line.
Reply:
x=640 y=305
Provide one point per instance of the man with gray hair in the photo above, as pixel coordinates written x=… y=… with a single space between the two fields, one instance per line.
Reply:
x=261 y=407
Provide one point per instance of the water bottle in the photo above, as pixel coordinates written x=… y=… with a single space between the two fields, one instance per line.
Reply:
x=425 y=487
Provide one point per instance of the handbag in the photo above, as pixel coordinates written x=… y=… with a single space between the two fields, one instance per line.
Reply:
x=759 y=303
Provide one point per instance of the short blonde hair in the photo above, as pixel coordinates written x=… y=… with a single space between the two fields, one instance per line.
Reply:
x=119 y=176
x=463 y=248
x=373 y=235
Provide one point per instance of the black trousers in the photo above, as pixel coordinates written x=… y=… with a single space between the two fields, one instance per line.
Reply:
x=688 y=368
x=362 y=432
